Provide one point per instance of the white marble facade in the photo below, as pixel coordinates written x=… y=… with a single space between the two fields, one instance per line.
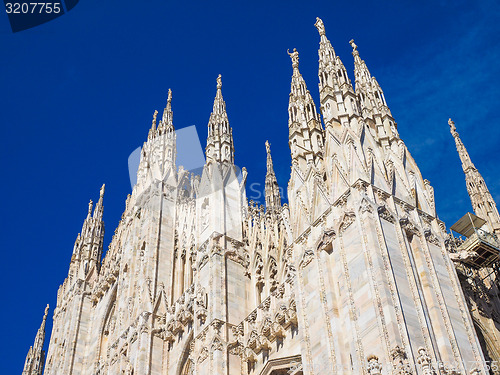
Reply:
x=352 y=276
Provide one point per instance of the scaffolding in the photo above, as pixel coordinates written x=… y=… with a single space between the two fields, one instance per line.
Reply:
x=482 y=247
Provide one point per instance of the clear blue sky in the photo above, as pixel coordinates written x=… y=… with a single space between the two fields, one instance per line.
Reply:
x=78 y=93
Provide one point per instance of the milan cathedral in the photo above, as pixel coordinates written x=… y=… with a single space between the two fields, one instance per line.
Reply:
x=355 y=275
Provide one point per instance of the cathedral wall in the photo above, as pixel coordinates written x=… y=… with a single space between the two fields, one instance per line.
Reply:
x=83 y=335
x=406 y=293
x=317 y=348
x=460 y=322
x=238 y=292
x=436 y=315
x=165 y=248
x=232 y=207
x=385 y=301
x=359 y=289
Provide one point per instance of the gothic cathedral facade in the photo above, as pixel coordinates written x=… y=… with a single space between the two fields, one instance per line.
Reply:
x=355 y=275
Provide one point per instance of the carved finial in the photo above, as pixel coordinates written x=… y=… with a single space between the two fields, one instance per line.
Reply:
x=169 y=98
x=219 y=82
x=46 y=312
x=374 y=367
x=268 y=147
x=320 y=26
x=295 y=57
x=91 y=204
x=101 y=193
x=353 y=45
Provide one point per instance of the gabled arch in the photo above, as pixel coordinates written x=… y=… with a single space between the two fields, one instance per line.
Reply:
x=185 y=366
x=104 y=327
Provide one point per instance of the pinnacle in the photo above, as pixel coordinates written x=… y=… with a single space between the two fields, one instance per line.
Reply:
x=219 y=131
x=167 y=117
x=153 y=124
x=270 y=169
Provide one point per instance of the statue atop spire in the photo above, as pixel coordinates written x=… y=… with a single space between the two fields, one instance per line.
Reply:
x=354 y=46
x=91 y=204
x=359 y=64
x=304 y=124
x=320 y=26
x=167 y=123
x=295 y=58
x=220 y=146
x=453 y=128
x=372 y=100
x=154 y=119
x=335 y=89
x=270 y=169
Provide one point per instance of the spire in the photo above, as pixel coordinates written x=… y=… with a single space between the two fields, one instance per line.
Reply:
x=332 y=72
x=167 y=112
x=99 y=207
x=374 y=108
x=220 y=147
x=467 y=164
x=167 y=122
x=89 y=212
x=35 y=359
x=273 y=196
x=337 y=98
x=367 y=87
x=87 y=250
x=305 y=129
x=152 y=131
x=482 y=202
x=361 y=71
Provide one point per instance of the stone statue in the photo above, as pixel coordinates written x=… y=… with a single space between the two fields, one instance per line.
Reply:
x=353 y=45
x=295 y=57
x=154 y=117
x=320 y=26
x=425 y=361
